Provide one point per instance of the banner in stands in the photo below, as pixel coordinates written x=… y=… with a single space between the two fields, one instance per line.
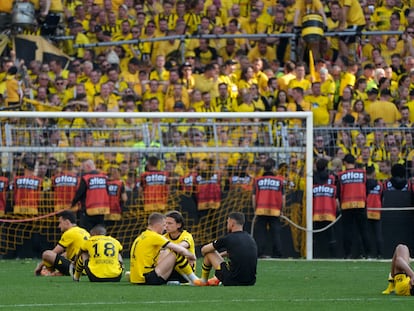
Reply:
x=29 y=47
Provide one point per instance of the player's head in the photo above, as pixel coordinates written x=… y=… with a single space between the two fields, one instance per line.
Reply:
x=235 y=221
x=269 y=165
x=67 y=219
x=98 y=230
x=174 y=222
x=156 y=222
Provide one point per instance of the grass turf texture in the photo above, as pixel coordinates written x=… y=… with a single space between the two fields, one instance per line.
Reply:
x=281 y=285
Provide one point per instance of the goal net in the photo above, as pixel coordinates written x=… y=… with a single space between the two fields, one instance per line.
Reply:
x=226 y=149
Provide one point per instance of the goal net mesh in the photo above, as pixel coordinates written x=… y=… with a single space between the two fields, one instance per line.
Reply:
x=231 y=149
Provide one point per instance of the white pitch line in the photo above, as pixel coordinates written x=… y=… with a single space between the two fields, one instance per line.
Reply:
x=198 y=302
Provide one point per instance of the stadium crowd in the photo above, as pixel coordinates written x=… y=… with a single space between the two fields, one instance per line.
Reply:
x=362 y=82
x=360 y=88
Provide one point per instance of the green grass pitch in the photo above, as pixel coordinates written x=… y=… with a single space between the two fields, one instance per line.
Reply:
x=281 y=285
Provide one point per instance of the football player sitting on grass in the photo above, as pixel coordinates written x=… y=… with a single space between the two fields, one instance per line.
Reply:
x=57 y=261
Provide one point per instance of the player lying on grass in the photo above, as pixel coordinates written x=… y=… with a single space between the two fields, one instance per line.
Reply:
x=100 y=257
x=401 y=278
x=65 y=252
x=241 y=250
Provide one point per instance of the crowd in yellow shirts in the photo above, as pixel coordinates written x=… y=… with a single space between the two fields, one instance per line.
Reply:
x=359 y=81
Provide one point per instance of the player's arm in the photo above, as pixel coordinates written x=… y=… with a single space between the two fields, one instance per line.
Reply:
x=59 y=249
x=208 y=248
x=182 y=251
x=342 y=24
x=184 y=244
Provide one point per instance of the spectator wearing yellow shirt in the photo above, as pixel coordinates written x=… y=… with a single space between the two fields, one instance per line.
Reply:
x=130 y=76
x=352 y=17
x=187 y=77
x=108 y=99
x=149 y=54
x=12 y=87
x=288 y=75
x=382 y=15
x=322 y=107
x=208 y=105
x=264 y=17
x=260 y=76
x=154 y=91
x=208 y=80
x=167 y=14
x=228 y=77
x=299 y=80
x=177 y=96
x=246 y=78
x=246 y=103
x=392 y=46
x=384 y=108
x=205 y=53
x=159 y=72
x=76 y=30
x=214 y=17
x=259 y=102
x=348 y=78
x=253 y=26
x=233 y=29
x=332 y=23
x=298 y=96
x=229 y=50
x=135 y=49
x=193 y=16
x=170 y=48
x=262 y=50
x=224 y=102
x=113 y=76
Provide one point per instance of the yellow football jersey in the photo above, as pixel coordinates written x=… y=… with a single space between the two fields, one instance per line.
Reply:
x=144 y=254
x=72 y=240
x=185 y=236
x=103 y=256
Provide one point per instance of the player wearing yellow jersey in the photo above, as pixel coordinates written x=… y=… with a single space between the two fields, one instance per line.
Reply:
x=174 y=227
x=100 y=257
x=150 y=266
x=67 y=248
x=401 y=278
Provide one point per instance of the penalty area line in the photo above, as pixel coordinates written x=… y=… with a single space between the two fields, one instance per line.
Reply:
x=169 y=302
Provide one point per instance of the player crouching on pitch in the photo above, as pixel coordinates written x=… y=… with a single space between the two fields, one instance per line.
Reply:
x=57 y=261
x=401 y=278
x=100 y=258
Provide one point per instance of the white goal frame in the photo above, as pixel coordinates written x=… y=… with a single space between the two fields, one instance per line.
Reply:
x=307 y=116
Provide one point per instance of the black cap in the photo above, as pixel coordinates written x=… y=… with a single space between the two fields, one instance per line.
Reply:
x=348 y=119
x=369 y=66
x=372 y=91
x=12 y=70
x=349 y=158
x=230 y=62
x=179 y=105
x=134 y=61
x=386 y=92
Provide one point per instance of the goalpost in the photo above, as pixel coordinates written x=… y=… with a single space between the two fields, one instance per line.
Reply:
x=21 y=134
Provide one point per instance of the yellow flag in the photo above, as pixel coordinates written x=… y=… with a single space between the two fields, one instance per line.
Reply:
x=312 y=66
x=4 y=41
